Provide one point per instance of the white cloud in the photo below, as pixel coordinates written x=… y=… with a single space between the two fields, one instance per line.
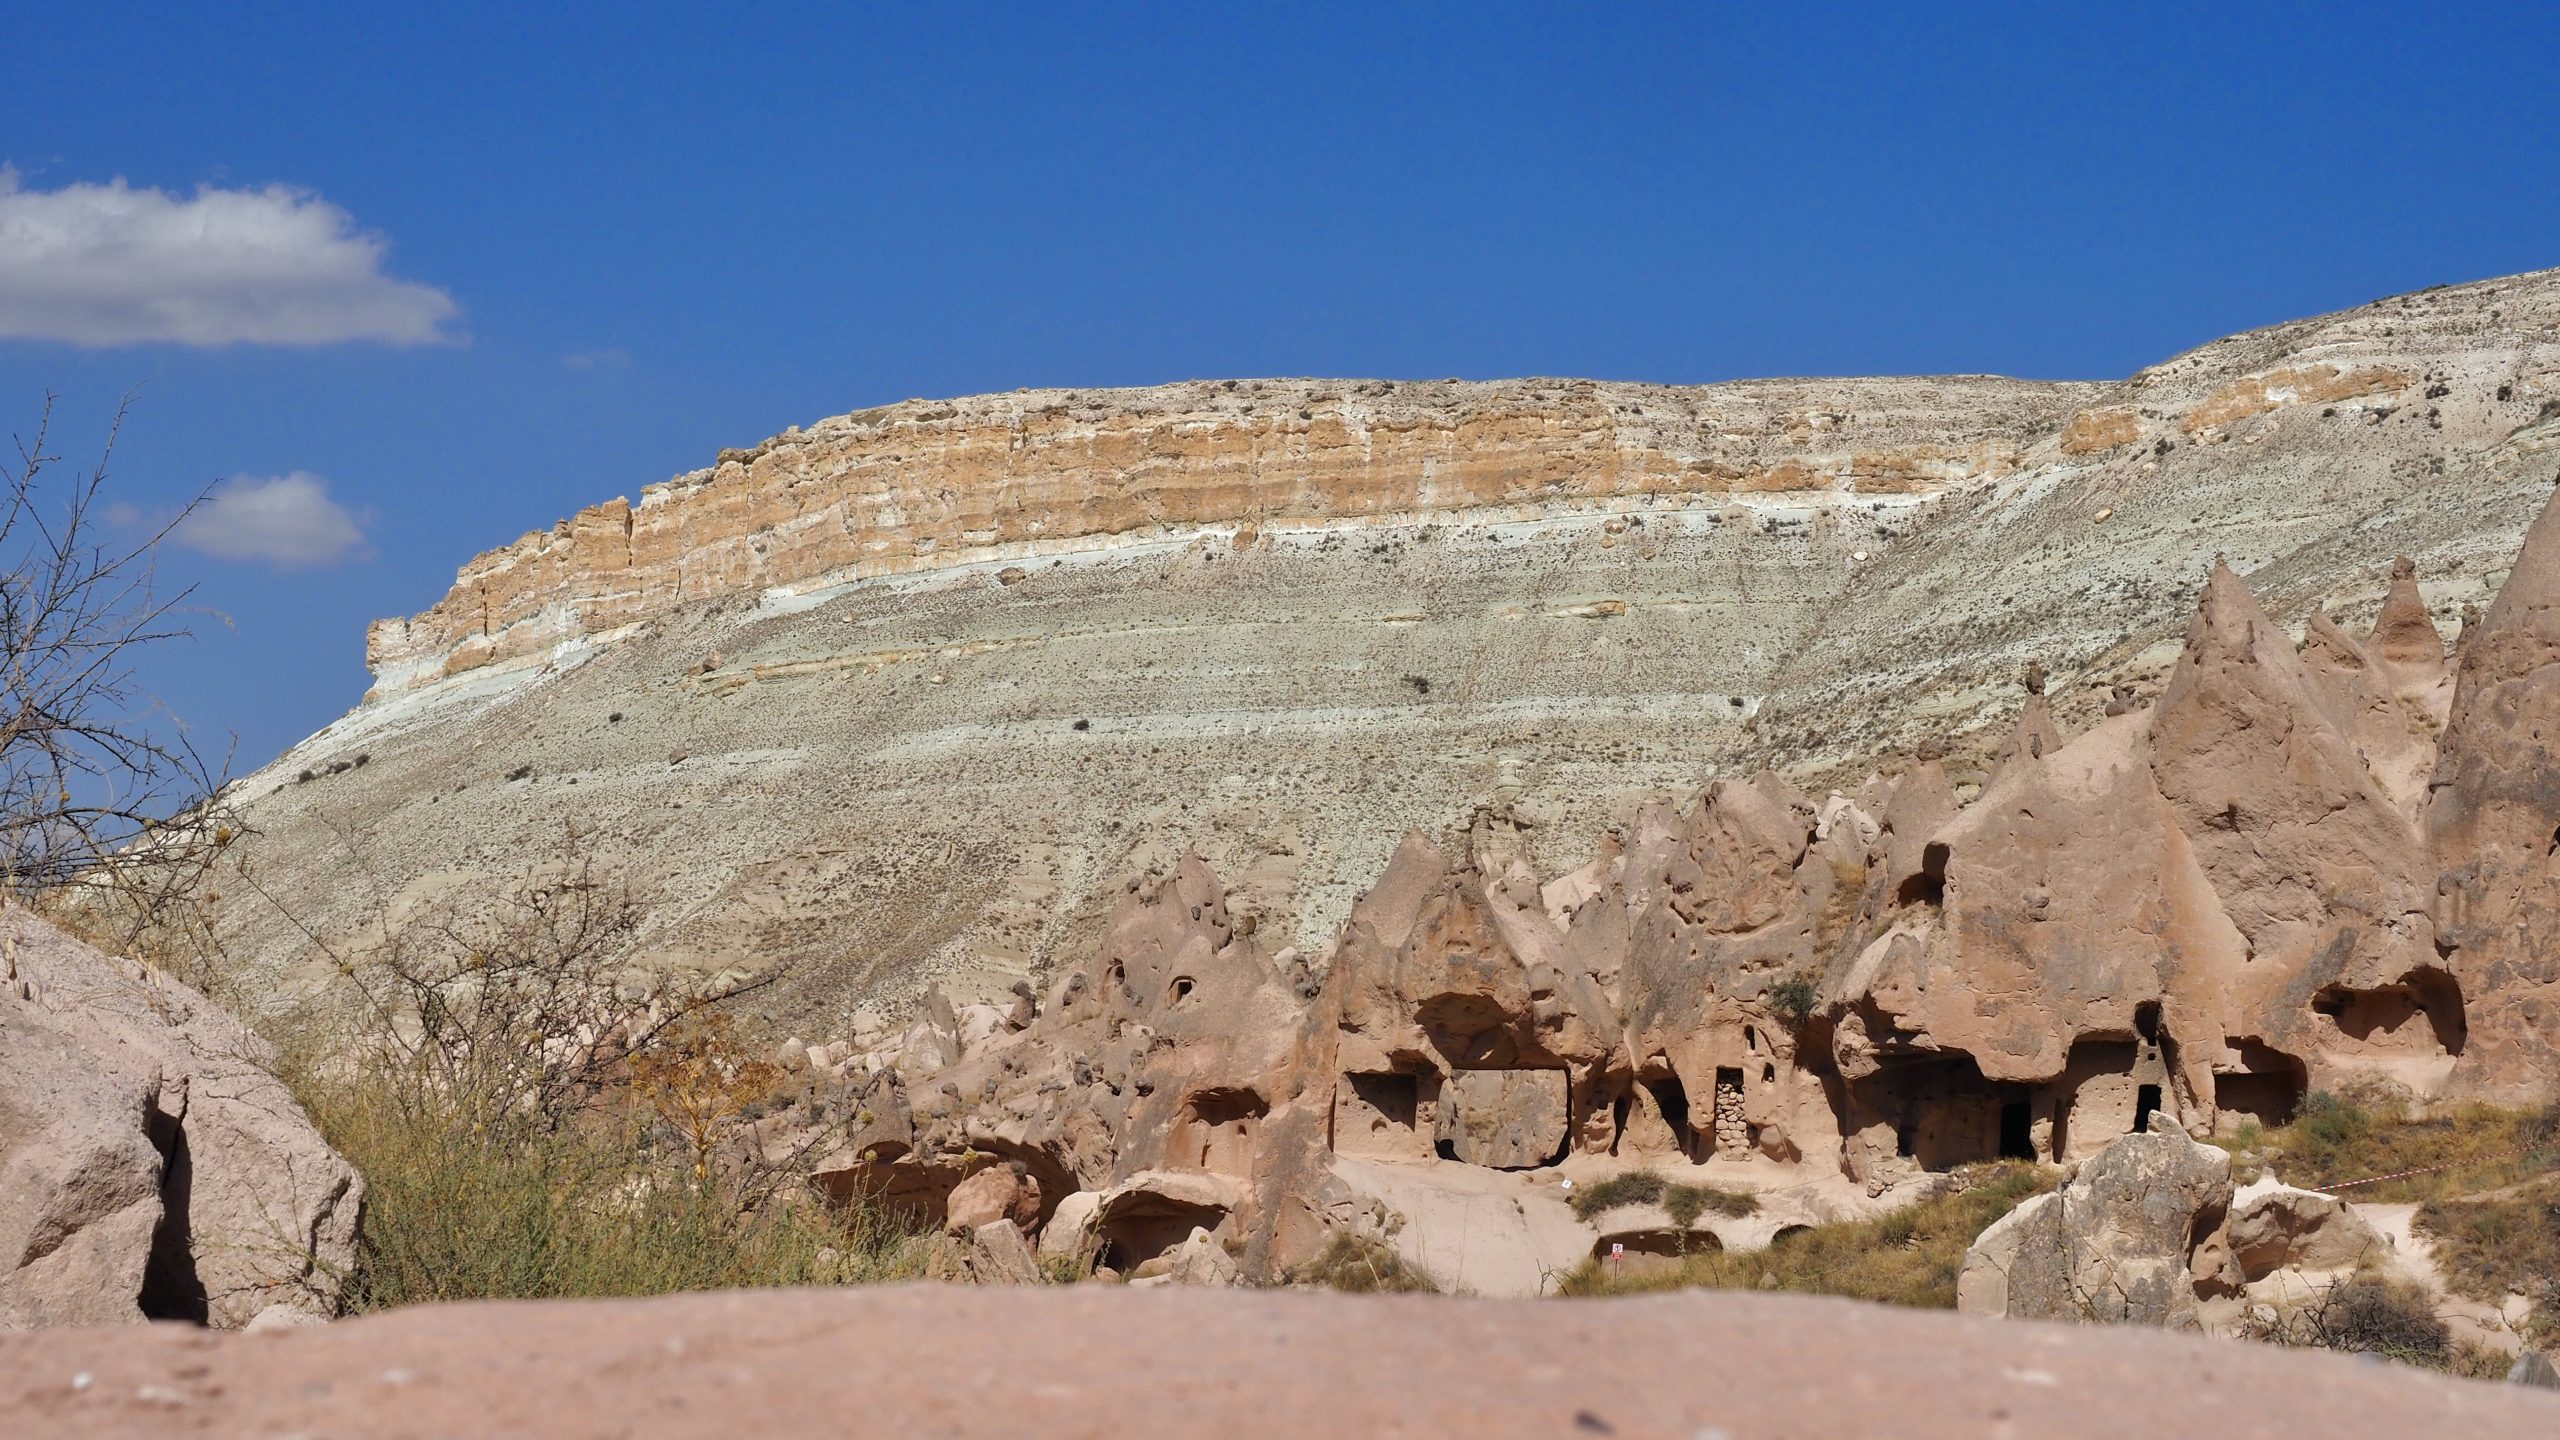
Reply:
x=287 y=521
x=114 y=264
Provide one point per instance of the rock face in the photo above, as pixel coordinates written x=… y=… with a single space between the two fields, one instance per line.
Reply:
x=2186 y=917
x=2131 y=1240
x=904 y=696
x=2496 y=897
x=149 y=1168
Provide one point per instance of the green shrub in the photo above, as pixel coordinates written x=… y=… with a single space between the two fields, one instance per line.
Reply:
x=1793 y=999
x=1684 y=1203
x=1635 y=1187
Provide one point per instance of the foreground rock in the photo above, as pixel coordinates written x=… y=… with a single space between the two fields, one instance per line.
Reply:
x=150 y=1166
x=951 y=1361
x=2135 y=1238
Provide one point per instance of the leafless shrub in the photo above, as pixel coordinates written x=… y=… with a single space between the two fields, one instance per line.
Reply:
x=110 y=816
x=91 y=771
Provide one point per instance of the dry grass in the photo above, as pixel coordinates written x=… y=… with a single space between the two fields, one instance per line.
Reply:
x=1365 y=1265
x=1910 y=1257
x=1684 y=1203
x=602 y=1207
x=2359 y=1134
x=2502 y=1244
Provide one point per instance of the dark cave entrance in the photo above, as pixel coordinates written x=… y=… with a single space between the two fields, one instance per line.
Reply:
x=1929 y=886
x=1672 y=1099
x=2018 y=1128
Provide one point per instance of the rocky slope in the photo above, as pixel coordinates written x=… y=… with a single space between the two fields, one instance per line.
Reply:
x=908 y=694
x=952 y=1361
x=2311 y=865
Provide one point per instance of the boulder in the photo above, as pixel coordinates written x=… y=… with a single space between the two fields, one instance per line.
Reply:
x=998 y=1255
x=2132 y=1239
x=1504 y=1119
x=1201 y=1261
x=1069 y=1232
x=999 y=1192
x=2277 y=1227
x=2534 y=1368
x=151 y=1165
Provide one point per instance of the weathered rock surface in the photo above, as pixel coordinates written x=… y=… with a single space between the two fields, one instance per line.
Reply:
x=936 y=678
x=2130 y=1240
x=2278 y=1227
x=150 y=1165
x=2184 y=918
x=953 y=1361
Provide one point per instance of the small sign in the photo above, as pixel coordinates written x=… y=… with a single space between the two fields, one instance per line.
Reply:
x=1617 y=1250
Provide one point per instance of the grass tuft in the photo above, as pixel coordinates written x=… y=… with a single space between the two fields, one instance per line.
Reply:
x=1365 y=1265
x=1684 y=1203
x=1910 y=1257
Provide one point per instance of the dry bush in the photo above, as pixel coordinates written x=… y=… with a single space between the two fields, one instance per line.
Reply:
x=2372 y=1314
x=1910 y=1257
x=1363 y=1264
x=109 y=814
x=532 y=1120
x=1684 y=1203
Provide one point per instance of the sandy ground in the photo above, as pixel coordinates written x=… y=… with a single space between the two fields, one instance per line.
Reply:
x=946 y=1361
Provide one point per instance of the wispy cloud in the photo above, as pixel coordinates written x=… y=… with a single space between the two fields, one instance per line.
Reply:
x=287 y=521
x=610 y=359
x=116 y=264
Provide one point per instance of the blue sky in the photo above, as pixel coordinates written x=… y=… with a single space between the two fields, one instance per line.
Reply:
x=606 y=242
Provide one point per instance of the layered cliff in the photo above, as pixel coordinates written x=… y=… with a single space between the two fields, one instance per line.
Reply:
x=932 y=485
x=906 y=696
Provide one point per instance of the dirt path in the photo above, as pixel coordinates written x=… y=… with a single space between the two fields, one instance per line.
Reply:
x=1061 y=1364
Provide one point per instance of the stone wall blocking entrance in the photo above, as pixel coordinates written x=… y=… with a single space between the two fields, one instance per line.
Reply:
x=1505 y=1119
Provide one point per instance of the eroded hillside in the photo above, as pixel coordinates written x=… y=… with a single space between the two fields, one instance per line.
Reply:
x=907 y=695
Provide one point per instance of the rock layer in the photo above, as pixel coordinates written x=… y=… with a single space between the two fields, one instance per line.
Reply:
x=902 y=698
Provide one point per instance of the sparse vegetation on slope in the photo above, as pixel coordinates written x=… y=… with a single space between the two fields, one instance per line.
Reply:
x=2373 y=1131
x=2501 y=1244
x=1684 y=1203
x=531 y=1125
x=1910 y=1257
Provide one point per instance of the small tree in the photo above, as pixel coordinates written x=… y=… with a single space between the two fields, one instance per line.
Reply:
x=101 y=794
